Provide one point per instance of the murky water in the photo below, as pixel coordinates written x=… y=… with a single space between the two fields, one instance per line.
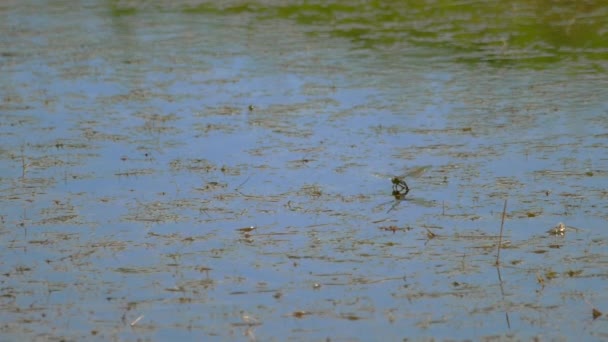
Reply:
x=196 y=172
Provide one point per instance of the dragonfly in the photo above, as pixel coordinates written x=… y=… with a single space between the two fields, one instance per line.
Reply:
x=560 y=229
x=400 y=187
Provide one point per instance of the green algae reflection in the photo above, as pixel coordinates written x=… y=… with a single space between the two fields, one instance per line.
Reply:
x=522 y=33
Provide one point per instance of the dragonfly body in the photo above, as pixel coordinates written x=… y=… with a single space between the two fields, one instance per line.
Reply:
x=400 y=188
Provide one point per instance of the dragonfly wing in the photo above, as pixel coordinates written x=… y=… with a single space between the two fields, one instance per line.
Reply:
x=416 y=172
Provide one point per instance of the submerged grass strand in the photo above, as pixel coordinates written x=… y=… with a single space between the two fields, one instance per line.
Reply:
x=502 y=224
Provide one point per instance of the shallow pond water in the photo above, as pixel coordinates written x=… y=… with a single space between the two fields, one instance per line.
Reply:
x=196 y=171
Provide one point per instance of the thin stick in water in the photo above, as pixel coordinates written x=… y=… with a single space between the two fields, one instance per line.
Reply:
x=502 y=224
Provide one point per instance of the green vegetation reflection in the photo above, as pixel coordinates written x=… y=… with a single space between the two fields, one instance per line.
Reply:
x=525 y=32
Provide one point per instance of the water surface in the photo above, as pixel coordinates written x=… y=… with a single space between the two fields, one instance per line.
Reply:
x=198 y=171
